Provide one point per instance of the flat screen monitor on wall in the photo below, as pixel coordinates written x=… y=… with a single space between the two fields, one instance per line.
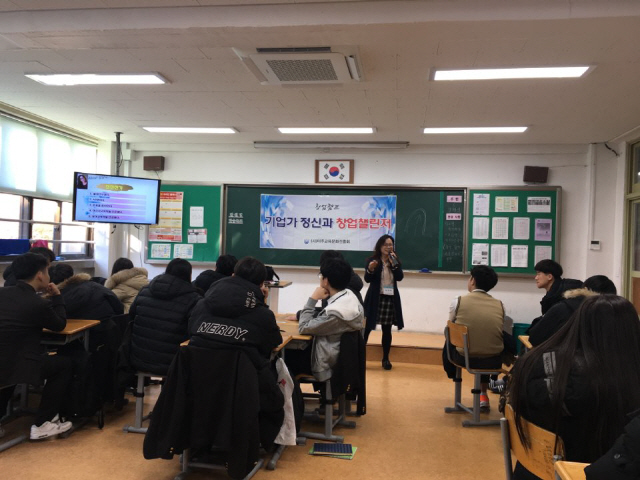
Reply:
x=115 y=199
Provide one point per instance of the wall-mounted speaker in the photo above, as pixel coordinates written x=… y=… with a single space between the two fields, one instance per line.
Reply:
x=533 y=174
x=155 y=164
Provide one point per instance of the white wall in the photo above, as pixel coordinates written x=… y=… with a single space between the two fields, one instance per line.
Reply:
x=426 y=297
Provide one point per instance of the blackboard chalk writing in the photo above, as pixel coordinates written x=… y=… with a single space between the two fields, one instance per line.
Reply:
x=417 y=218
x=235 y=218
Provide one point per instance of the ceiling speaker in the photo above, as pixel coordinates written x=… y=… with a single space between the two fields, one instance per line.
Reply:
x=534 y=174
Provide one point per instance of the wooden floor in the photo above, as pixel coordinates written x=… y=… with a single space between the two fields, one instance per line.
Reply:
x=405 y=435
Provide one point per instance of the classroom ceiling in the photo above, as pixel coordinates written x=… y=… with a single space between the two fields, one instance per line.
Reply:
x=191 y=42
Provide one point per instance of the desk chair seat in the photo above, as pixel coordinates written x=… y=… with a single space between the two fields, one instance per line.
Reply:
x=348 y=376
x=209 y=403
x=327 y=415
x=458 y=336
x=139 y=394
x=546 y=447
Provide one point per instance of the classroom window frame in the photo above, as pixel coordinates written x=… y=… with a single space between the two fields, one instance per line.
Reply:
x=26 y=224
x=631 y=201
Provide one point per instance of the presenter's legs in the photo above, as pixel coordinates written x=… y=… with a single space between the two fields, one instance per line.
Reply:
x=386 y=346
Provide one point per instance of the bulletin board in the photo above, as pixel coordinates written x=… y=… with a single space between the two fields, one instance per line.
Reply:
x=189 y=225
x=511 y=229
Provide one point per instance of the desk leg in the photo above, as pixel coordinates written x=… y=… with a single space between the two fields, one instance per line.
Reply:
x=86 y=340
x=272 y=301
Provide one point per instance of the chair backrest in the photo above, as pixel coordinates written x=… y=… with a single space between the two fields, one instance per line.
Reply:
x=457 y=334
x=211 y=397
x=544 y=451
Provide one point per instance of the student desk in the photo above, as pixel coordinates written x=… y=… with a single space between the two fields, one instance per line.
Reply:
x=570 y=470
x=76 y=328
x=274 y=288
x=290 y=327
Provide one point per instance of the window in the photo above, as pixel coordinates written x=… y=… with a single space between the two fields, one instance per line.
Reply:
x=50 y=220
x=76 y=234
x=36 y=185
x=10 y=208
x=46 y=211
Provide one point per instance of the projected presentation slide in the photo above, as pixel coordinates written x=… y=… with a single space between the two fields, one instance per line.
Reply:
x=115 y=199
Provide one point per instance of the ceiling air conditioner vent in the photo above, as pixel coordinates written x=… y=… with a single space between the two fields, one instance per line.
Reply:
x=299 y=70
x=300 y=66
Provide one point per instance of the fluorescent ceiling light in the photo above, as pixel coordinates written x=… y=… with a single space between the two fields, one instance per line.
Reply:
x=436 y=131
x=325 y=145
x=98 y=79
x=329 y=130
x=504 y=73
x=223 y=130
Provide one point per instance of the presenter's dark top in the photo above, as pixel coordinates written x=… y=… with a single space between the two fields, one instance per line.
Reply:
x=23 y=315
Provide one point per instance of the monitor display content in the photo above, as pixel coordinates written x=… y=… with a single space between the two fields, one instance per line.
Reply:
x=115 y=199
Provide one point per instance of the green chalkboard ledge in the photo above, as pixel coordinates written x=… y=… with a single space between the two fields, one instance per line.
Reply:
x=166 y=262
x=360 y=271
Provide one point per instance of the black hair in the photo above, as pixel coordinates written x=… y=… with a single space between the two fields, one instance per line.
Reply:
x=225 y=264
x=604 y=334
x=27 y=265
x=486 y=278
x=181 y=268
x=337 y=271
x=45 y=252
x=60 y=272
x=328 y=254
x=377 y=250
x=549 y=267
x=251 y=269
x=121 y=264
x=600 y=284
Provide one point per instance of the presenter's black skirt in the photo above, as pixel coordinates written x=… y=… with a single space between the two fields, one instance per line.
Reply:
x=386 y=310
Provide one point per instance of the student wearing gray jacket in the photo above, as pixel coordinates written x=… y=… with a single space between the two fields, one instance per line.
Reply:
x=343 y=313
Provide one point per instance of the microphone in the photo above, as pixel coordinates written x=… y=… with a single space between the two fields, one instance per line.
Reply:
x=394 y=261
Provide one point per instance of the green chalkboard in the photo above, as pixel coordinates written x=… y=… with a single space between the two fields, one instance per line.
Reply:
x=429 y=226
x=511 y=228
x=193 y=195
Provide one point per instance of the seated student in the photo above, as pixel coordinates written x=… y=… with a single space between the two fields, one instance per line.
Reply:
x=224 y=268
x=126 y=281
x=87 y=300
x=355 y=282
x=483 y=315
x=622 y=461
x=23 y=315
x=584 y=381
x=233 y=314
x=9 y=277
x=160 y=316
x=558 y=314
x=343 y=313
x=549 y=277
